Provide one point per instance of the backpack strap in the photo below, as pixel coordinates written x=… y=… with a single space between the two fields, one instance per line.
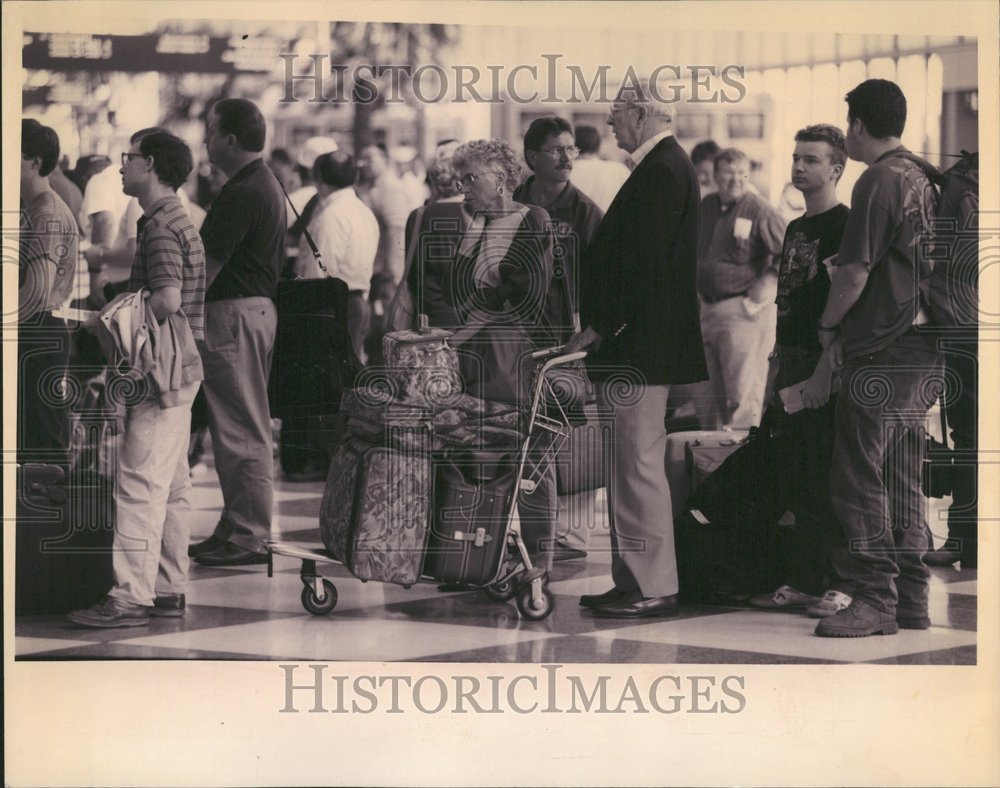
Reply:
x=933 y=173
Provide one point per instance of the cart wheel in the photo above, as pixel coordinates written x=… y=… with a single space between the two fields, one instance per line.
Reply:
x=545 y=605
x=316 y=606
x=502 y=591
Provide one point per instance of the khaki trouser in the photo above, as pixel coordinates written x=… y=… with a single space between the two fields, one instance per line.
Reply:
x=236 y=353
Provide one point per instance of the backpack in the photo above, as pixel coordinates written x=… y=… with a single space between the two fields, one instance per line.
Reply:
x=951 y=292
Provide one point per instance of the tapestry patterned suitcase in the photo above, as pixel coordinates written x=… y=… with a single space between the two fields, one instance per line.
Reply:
x=373 y=414
x=422 y=367
x=461 y=421
x=691 y=456
x=472 y=497
x=375 y=511
x=470 y=422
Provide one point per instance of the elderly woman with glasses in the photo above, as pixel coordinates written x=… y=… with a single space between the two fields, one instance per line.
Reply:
x=508 y=301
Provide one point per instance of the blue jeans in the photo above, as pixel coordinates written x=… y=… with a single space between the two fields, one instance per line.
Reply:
x=875 y=486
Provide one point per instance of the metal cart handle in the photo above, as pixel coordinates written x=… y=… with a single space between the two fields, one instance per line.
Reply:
x=555 y=359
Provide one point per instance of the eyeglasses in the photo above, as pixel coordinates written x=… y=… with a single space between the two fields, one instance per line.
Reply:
x=467 y=180
x=127 y=156
x=570 y=151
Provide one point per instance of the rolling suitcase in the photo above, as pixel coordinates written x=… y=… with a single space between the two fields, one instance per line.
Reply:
x=691 y=456
x=376 y=509
x=64 y=539
x=472 y=498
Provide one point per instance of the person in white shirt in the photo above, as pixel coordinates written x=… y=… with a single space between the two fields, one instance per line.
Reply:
x=100 y=216
x=600 y=180
x=346 y=233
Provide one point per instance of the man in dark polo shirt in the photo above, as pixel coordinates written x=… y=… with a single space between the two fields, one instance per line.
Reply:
x=549 y=150
x=244 y=236
x=738 y=250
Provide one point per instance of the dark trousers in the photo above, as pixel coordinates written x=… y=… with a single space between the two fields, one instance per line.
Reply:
x=961 y=403
x=802 y=450
x=875 y=484
x=44 y=396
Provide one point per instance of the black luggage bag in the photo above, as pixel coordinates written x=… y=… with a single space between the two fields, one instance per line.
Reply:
x=64 y=539
x=314 y=358
x=727 y=538
x=472 y=500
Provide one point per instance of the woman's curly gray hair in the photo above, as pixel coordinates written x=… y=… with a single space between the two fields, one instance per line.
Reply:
x=488 y=152
x=442 y=173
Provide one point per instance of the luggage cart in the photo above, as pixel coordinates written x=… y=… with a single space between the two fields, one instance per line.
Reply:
x=515 y=577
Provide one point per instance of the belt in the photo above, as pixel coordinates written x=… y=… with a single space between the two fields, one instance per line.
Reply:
x=717 y=299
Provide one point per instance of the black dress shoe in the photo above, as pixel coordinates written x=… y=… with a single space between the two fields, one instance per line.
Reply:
x=231 y=555
x=208 y=546
x=653 y=607
x=563 y=552
x=608 y=597
x=168 y=606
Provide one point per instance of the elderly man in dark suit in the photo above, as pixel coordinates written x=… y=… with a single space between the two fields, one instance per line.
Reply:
x=640 y=309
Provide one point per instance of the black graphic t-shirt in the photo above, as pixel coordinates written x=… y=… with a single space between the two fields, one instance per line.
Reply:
x=803 y=283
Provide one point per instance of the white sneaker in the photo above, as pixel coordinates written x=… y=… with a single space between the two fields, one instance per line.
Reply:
x=829 y=604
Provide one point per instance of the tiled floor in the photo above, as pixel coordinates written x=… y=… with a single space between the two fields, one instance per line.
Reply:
x=241 y=614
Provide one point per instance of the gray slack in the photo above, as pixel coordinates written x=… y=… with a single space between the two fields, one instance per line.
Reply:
x=236 y=354
x=642 y=529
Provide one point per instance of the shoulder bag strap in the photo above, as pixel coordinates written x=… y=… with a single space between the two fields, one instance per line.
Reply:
x=305 y=232
x=414 y=237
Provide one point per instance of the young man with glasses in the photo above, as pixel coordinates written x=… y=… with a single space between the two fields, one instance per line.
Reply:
x=152 y=525
x=549 y=151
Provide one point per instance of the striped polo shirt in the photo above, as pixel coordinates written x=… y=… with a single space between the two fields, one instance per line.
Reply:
x=169 y=253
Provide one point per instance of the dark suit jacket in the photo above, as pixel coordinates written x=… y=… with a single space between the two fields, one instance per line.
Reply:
x=639 y=274
x=441 y=229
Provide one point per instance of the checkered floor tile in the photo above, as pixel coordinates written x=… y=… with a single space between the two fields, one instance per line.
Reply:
x=243 y=614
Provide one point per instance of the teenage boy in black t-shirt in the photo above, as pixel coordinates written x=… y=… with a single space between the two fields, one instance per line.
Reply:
x=801 y=420
x=800 y=416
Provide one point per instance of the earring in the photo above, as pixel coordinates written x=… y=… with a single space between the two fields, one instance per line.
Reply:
x=500 y=191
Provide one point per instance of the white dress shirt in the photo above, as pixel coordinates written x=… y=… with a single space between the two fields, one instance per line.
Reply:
x=346 y=233
x=640 y=153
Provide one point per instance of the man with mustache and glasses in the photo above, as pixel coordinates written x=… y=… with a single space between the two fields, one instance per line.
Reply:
x=549 y=151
